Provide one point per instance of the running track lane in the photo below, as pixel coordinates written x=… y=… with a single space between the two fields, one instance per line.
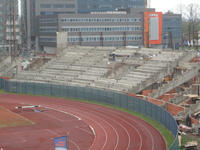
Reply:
x=114 y=130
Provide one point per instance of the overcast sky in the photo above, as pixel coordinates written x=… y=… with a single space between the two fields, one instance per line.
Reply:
x=173 y=5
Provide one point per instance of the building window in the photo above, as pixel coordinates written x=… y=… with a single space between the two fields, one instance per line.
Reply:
x=58 y=6
x=105 y=38
x=48 y=20
x=101 y=29
x=69 y=6
x=100 y=20
x=45 y=5
x=43 y=39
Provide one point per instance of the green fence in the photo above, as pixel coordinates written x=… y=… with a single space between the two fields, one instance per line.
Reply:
x=103 y=96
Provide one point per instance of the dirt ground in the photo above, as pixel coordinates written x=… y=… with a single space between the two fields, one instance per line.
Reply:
x=11 y=119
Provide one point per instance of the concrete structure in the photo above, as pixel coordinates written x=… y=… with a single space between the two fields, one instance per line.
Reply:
x=133 y=69
x=118 y=28
x=172 y=30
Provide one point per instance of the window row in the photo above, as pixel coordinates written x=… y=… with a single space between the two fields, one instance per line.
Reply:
x=48 y=39
x=100 y=20
x=57 y=5
x=56 y=12
x=95 y=38
x=48 y=29
x=101 y=29
x=106 y=38
x=48 y=20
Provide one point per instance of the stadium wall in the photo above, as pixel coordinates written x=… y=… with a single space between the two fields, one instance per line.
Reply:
x=103 y=96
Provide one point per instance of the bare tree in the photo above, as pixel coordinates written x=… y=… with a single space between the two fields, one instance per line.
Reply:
x=192 y=17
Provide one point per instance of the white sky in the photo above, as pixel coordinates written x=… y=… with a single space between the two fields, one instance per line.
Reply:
x=173 y=5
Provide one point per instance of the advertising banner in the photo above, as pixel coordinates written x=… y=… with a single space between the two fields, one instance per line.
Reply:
x=152 y=28
x=61 y=143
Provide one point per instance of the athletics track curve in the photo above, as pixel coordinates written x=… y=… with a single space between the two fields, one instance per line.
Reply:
x=89 y=127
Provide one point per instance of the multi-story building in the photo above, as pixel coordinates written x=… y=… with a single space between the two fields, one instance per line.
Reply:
x=172 y=30
x=9 y=23
x=33 y=8
x=95 y=23
x=117 y=28
x=36 y=8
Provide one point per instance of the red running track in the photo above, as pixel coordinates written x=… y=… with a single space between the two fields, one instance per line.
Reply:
x=89 y=126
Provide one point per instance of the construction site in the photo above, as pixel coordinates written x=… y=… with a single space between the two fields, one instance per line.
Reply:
x=169 y=79
x=166 y=77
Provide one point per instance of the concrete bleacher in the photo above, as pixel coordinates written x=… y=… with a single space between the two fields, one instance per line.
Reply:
x=88 y=66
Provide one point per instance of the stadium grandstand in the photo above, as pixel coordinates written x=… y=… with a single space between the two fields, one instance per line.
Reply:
x=131 y=70
x=167 y=78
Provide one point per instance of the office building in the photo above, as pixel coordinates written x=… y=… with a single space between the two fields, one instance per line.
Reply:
x=118 y=28
x=34 y=8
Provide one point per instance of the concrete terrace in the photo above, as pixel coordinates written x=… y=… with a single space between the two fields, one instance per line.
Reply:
x=132 y=70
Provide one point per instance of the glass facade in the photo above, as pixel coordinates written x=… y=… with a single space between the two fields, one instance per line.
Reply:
x=172 y=28
x=52 y=7
x=86 y=6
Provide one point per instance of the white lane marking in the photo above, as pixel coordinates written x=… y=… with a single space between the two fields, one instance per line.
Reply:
x=105 y=133
x=92 y=130
x=144 y=127
x=140 y=136
x=131 y=125
x=131 y=119
x=63 y=112
x=124 y=129
x=52 y=132
x=116 y=130
x=84 y=130
x=117 y=143
x=74 y=144
x=80 y=119
x=152 y=139
x=96 y=116
x=89 y=118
